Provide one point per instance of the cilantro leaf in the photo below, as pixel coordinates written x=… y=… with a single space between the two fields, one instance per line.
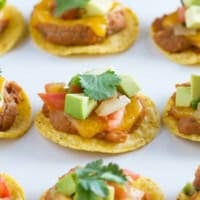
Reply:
x=195 y=103
x=99 y=87
x=93 y=177
x=2 y=3
x=65 y=5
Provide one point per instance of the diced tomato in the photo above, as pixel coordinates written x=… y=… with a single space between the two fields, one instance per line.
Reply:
x=181 y=14
x=120 y=191
x=54 y=100
x=133 y=175
x=54 y=87
x=75 y=88
x=4 y=191
x=114 y=119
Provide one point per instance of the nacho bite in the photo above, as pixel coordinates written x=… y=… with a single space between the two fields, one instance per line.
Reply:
x=177 y=34
x=15 y=110
x=12 y=26
x=83 y=27
x=101 y=112
x=191 y=190
x=96 y=181
x=181 y=114
x=10 y=189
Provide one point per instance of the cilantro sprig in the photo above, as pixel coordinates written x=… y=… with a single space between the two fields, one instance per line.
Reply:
x=65 y=5
x=92 y=179
x=2 y=3
x=98 y=87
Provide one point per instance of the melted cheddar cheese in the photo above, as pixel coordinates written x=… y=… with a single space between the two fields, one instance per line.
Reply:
x=93 y=125
x=43 y=14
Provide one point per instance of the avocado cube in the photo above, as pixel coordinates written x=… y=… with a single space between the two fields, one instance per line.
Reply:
x=183 y=96
x=79 y=106
x=98 y=7
x=128 y=85
x=192 y=17
x=188 y=3
x=67 y=185
x=111 y=193
x=195 y=86
x=90 y=196
x=196 y=2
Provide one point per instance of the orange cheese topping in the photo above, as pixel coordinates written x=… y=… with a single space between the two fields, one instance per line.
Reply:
x=93 y=125
x=43 y=14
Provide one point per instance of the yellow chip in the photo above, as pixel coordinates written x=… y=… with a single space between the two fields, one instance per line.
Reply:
x=143 y=184
x=14 y=31
x=171 y=124
x=187 y=57
x=17 y=192
x=113 y=44
x=22 y=121
x=141 y=136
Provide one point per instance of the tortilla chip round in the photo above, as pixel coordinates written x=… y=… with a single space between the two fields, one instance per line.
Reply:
x=182 y=196
x=188 y=57
x=171 y=124
x=113 y=44
x=22 y=121
x=14 y=31
x=144 y=134
x=15 y=189
x=144 y=184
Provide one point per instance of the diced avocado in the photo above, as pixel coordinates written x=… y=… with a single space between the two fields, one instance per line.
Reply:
x=128 y=85
x=67 y=185
x=188 y=3
x=195 y=86
x=98 y=7
x=79 y=106
x=183 y=96
x=188 y=189
x=90 y=196
x=192 y=17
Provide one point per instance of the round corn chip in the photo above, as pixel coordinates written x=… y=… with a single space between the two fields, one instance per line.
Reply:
x=22 y=121
x=17 y=192
x=144 y=134
x=144 y=184
x=113 y=44
x=171 y=124
x=14 y=31
x=188 y=57
x=182 y=196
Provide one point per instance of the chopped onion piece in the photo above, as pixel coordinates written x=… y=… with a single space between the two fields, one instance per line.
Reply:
x=181 y=30
x=112 y=105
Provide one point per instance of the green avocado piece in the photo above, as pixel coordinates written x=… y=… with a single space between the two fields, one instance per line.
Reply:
x=67 y=185
x=195 y=85
x=128 y=85
x=98 y=7
x=183 y=96
x=192 y=17
x=188 y=189
x=2 y=3
x=111 y=193
x=79 y=106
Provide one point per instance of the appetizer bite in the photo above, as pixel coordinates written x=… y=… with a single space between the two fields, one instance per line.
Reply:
x=96 y=181
x=191 y=191
x=101 y=112
x=15 y=110
x=182 y=112
x=177 y=34
x=83 y=27
x=12 y=26
x=9 y=188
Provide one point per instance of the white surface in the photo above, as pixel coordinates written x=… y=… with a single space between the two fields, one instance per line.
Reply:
x=36 y=162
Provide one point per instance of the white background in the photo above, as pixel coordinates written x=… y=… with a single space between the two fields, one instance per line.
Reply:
x=36 y=162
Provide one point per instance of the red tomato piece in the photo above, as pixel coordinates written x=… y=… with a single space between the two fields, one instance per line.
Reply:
x=55 y=87
x=133 y=175
x=4 y=191
x=114 y=119
x=75 y=88
x=54 y=100
x=181 y=14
